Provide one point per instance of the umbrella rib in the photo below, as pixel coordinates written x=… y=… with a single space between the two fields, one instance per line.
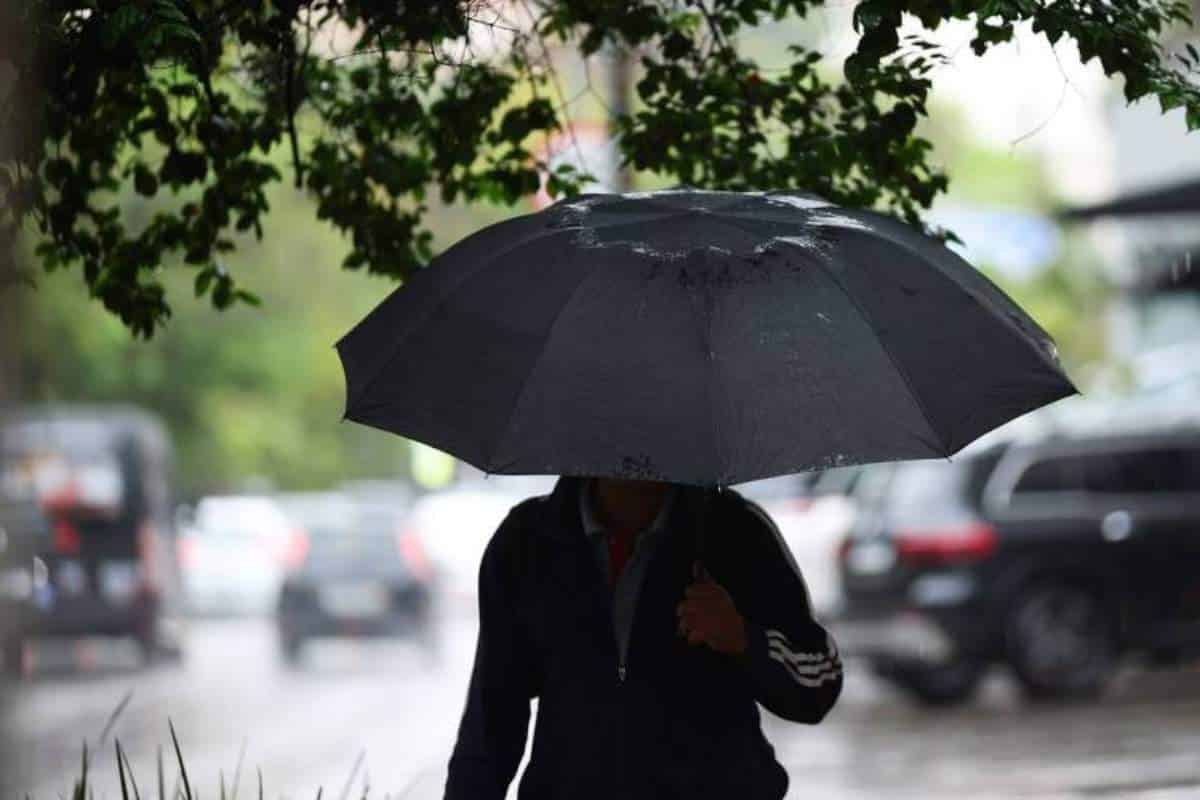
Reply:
x=912 y=390
x=504 y=431
x=706 y=333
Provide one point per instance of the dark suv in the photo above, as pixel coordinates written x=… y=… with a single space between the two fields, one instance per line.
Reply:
x=1054 y=557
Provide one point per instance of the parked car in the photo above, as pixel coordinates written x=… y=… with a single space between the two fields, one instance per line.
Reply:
x=232 y=553
x=105 y=565
x=354 y=572
x=1054 y=557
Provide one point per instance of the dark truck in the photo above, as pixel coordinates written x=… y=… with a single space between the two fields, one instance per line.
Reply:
x=100 y=561
x=1054 y=557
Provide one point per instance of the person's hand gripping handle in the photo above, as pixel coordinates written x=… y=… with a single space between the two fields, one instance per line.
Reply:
x=708 y=616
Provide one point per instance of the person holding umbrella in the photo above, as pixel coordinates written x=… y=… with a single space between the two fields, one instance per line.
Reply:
x=654 y=349
x=649 y=667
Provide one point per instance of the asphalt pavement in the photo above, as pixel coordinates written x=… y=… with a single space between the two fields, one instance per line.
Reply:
x=380 y=717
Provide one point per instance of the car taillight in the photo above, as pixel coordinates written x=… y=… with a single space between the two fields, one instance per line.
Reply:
x=413 y=553
x=148 y=557
x=296 y=549
x=966 y=542
x=66 y=538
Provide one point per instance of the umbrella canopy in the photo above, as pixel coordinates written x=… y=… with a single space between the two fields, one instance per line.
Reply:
x=699 y=337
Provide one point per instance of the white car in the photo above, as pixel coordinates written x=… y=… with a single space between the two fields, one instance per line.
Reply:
x=232 y=555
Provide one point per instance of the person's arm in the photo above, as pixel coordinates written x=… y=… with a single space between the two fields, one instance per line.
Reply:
x=791 y=659
x=491 y=735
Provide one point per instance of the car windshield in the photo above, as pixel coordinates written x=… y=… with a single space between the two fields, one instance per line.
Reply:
x=361 y=544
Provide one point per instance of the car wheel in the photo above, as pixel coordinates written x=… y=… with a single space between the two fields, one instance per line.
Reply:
x=1060 y=642
x=942 y=685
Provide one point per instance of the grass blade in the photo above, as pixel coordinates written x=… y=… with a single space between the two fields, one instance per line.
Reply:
x=129 y=771
x=237 y=770
x=121 y=772
x=260 y=796
x=353 y=774
x=162 y=785
x=187 y=786
x=80 y=792
x=221 y=782
x=112 y=718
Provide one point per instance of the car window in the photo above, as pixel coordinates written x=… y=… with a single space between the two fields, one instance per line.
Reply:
x=1053 y=474
x=1151 y=471
x=1142 y=471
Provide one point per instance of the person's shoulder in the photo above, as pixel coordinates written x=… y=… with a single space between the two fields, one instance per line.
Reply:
x=528 y=511
x=738 y=504
x=513 y=532
x=755 y=526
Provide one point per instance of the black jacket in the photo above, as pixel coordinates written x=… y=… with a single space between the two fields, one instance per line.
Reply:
x=683 y=720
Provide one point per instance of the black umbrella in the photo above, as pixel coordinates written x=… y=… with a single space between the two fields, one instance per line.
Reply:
x=699 y=337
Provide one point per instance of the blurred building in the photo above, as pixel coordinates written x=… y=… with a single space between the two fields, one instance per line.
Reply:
x=1154 y=154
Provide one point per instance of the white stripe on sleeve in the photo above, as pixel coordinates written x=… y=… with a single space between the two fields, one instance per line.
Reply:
x=808 y=669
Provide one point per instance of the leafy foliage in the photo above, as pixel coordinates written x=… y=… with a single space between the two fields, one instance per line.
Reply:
x=186 y=100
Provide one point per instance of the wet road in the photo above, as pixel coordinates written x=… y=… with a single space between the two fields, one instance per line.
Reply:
x=393 y=709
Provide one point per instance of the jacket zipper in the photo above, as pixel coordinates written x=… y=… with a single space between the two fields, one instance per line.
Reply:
x=622 y=670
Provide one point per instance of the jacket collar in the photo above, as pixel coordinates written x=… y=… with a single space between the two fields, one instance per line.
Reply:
x=565 y=521
x=593 y=527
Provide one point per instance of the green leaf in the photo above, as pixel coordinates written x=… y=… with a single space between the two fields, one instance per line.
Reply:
x=204 y=279
x=249 y=298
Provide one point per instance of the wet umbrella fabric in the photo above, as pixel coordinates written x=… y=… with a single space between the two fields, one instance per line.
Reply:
x=707 y=338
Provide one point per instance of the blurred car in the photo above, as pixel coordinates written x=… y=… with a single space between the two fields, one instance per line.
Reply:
x=104 y=565
x=1054 y=557
x=232 y=554
x=354 y=572
x=24 y=532
x=456 y=523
